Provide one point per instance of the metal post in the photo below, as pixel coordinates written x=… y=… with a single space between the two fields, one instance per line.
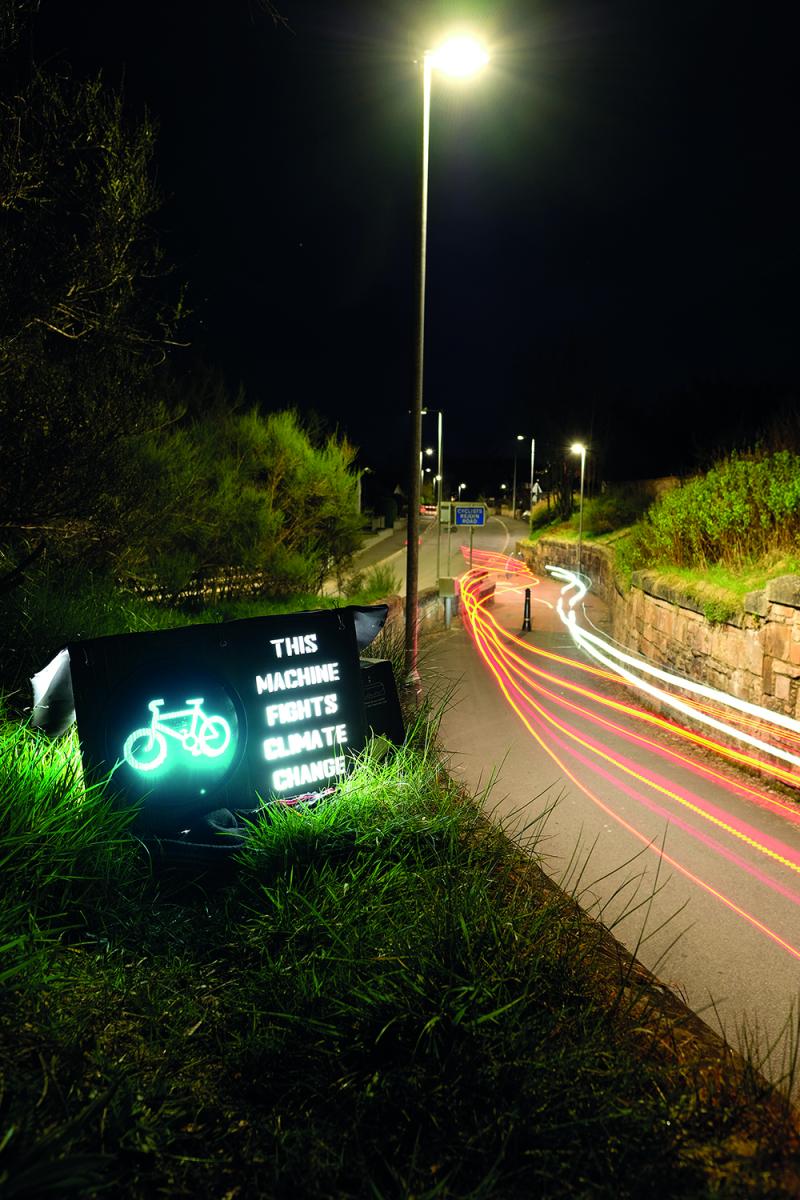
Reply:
x=514 y=492
x=526 y=612
x=580 y=510
x=471 y=532
x=533 y=454
x=439 y=505
x=412 y=549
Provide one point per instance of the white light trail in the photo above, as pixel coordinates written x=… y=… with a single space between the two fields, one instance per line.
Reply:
x=613 y=658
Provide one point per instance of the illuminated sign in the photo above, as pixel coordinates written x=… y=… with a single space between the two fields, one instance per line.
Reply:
x=224 y=716
x=470 y=514
x=146 y=749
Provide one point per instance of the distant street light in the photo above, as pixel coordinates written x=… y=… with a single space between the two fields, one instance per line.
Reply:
x=461 y=487
x=428 y=451
x=458 y=57
x=579 y=448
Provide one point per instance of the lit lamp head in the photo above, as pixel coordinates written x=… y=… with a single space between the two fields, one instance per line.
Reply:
x=458 y=56
x=578 y=448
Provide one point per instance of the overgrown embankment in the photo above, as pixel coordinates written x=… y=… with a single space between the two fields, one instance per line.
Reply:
x=715 y=537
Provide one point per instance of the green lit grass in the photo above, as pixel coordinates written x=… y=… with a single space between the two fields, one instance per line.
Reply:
x=385 y=1001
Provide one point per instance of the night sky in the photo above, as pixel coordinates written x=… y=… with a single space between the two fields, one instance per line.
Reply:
x=613 y=245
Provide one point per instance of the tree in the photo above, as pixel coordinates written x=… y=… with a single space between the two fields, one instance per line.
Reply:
x=82 y=320
x=244 y=491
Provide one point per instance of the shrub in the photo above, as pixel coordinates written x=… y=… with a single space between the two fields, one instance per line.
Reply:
x=744 y=508
x=615 y=508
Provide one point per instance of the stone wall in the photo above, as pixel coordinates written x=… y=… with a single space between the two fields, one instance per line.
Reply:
x=755 y=656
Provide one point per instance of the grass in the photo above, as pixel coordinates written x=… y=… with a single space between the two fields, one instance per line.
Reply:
x=718 y=588
x=737 y=583
x=385 y=1000
x=53 y=607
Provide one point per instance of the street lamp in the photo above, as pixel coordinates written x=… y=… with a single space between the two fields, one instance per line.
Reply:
x=579 y=448
x=460 y=56
x=461 y=487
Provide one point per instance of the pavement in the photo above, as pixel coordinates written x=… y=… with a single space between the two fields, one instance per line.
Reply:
x=692 y=863
x=695 y=867
x=441 y=551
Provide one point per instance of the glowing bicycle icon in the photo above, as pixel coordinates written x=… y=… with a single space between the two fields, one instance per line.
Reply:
x=197 y=733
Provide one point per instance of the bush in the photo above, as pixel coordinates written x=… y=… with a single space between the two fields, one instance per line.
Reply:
x=244 y=491
x=616 y=508
x=377 y=583
x=746 y=507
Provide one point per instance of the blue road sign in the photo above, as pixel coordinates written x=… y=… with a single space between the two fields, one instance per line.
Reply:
x=470 y=514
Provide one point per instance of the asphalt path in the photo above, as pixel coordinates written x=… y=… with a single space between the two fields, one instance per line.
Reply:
x=697 y=873
x=446 y=550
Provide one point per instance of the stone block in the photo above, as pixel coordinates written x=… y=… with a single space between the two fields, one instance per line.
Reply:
x=776 y=639
x=753 y=654
x=782 y=687
x=784 y=590
x=785 y=668
x=740 y=682
x=756 y=603
x=782 y=613
x=766 y=674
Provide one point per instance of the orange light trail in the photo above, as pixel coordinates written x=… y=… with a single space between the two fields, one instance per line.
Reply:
x=520 y=666
x=520 y=681
x=732 y=752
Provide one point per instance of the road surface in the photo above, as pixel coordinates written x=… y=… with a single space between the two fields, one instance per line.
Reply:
x=499 y=534
x=694 y=862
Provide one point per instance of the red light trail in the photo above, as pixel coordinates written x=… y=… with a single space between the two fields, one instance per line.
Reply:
x=546 y=704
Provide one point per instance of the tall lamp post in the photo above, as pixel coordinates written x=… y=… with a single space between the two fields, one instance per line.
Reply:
x=579 y=448
x=459 y=56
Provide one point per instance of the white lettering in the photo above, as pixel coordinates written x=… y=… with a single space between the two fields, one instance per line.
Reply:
x=313 y=772
x=298 y=677
x=304 y=742
x=291 y=711
x=304 y=644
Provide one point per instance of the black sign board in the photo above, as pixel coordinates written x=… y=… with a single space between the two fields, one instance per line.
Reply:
x=223 y=716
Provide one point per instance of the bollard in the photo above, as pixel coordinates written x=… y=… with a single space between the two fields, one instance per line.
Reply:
x=526 y=616
x=448 y=610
